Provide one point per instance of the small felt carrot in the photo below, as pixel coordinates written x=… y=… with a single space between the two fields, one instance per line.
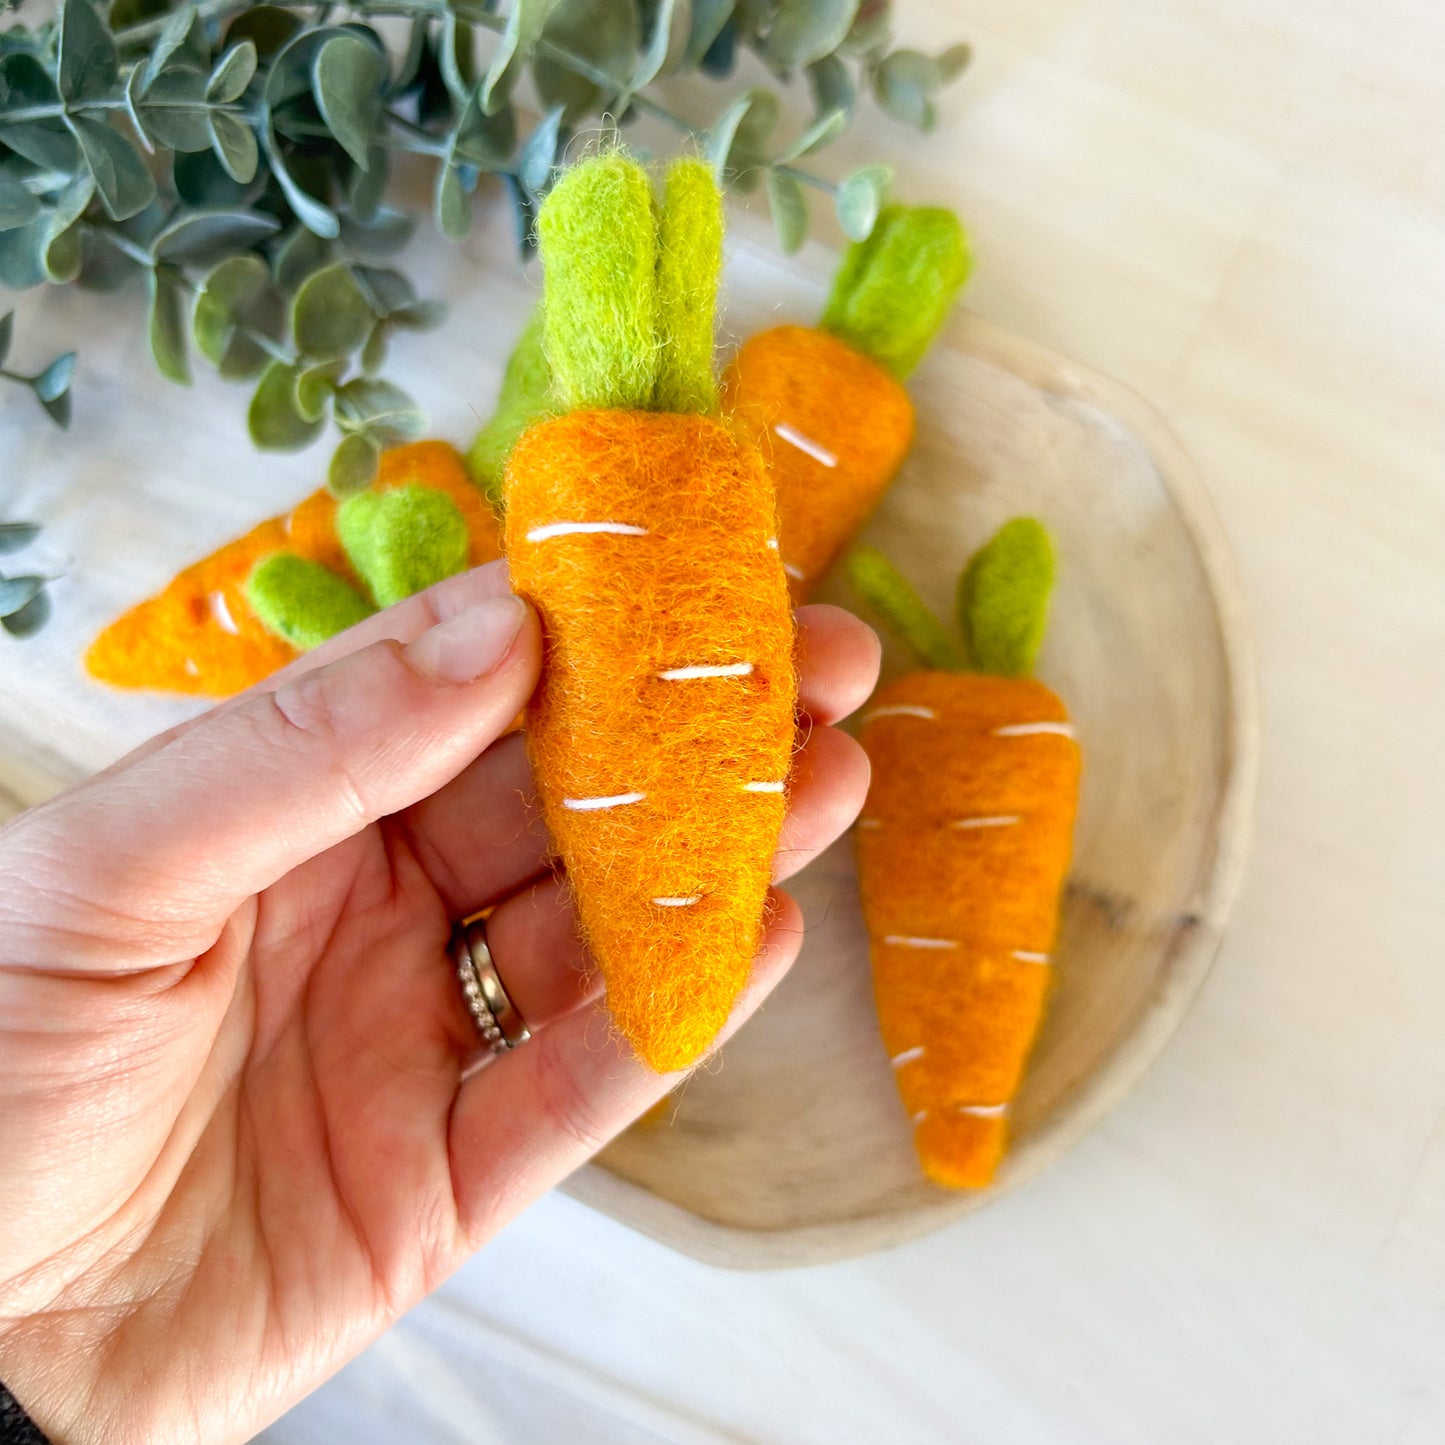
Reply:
x=202 y=634
x=963 y=848
x=827 y=406
x=640 y=526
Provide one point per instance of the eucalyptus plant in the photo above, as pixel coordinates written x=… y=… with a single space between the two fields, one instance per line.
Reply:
x=237 y=159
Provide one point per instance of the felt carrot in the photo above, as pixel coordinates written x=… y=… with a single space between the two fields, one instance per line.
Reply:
x=963 y=848
x=827 y=406
x=202 y=632
x=642 y=528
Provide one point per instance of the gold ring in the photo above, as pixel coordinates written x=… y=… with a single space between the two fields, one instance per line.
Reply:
x=496 y=1016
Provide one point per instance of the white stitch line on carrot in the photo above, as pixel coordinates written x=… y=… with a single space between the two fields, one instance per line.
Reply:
x=677 y=902
x=588 y=805
x=982 y=1111
x=764 y=787
x=900 y=709
x=772 y=544
x=796 y=573
x=1029 y=730
x=904 y=940
x=1024 y=956
x=1002 y=820
x=870 y=823
x=920 y=1116
x=816 y=450
x=907 y=1056
x=684 y=674
x=221 y=611
x=575 y=529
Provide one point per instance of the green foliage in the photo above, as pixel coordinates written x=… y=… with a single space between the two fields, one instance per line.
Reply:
x=24 y=602
x=303 y=602
x=153 y=143
x=889 y=595
x=525 y=397
x=403 y=541
x=1003 y=598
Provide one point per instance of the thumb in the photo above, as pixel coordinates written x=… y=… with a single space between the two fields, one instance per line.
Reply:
x=182 y=835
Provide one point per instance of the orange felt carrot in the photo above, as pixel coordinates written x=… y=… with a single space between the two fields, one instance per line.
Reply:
x=640 y=526
x=963 y=848
x=826 y=406
x=200 y=635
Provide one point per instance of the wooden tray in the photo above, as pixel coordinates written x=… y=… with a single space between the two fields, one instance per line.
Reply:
x=792 y=1148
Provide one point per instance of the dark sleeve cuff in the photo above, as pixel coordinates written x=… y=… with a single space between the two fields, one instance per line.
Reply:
x=16 y=1427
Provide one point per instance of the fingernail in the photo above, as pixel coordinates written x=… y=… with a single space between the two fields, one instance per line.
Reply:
x=470 y=645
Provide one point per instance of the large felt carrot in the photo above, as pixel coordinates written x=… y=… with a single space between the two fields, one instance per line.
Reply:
x=963 y=848
x=643 y=528
x=202 y=633
x=827 y=406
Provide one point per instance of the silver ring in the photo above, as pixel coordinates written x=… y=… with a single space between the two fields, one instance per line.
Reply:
x=497 y=1019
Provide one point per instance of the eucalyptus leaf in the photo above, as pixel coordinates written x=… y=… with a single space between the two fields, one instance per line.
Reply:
x=226 y=296
x=658 y=45
x=608 y=34
x=290 y=75
x=16 y=592
x=86 y=64
x=234 y=143
x=903 y=85
x=790 y=211
x=245 y=358
x=314 y=388
x=373 y=354
x=122 y=181
x=805 y=30
x=537 y=158
x=371 y=404
x=16 y=536
x=233 y=73
x=823 y=130
x=353 y=465
x=720 y=139
x=274 y=423
x=167 y=323
x=860 y=198
x=330 y=317
x=453 y=212
x=7 y=336
x=386 y=289
x=298 y=255
x=423 y=315
x=132 y=109
x=29 y=619
x=25 y=84
x=175 y=111
x=45 y=142
x=952 y=62
x=349 y=82
x=17 y=206
x=267 y=27
x=204 y=237
x=63 y=256
x=705 y=25
x=367 y=185
x=54 y=381
x=832 y=86
x=173 y=37
x=525 y=23
x=456 y=55
x=383 y=234
x=201 y=180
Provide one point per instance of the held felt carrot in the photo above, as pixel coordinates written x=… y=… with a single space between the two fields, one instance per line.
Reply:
x=203 y=632
x=963 y=848
x=827 y=406
x=643 y=529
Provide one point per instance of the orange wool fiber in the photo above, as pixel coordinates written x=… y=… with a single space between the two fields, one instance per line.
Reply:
x=834 y=427
x=199 y=635
x=662 y=784
x=963 y=848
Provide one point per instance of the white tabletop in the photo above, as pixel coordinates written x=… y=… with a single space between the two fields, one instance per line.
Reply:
x=1240 y=211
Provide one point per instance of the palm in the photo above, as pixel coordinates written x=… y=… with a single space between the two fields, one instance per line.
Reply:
x=296 y=1147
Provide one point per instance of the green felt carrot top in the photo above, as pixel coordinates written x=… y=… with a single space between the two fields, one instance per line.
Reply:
x=632 y=287
x=1003 y=603
x=894 y=291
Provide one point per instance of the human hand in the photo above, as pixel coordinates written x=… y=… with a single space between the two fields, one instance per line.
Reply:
x=239 y=1130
